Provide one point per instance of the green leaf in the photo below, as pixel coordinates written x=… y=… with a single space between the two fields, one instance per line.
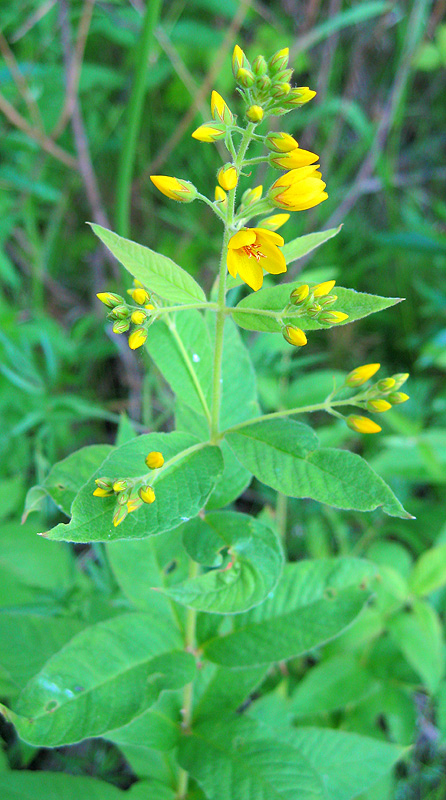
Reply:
x=226 y=690
x=254 y=568
x=181 y=349
x=238 y=378
x=105 y=676
x=282 y=453
x=158 y=273
x=28 y=785
x=66 y=477
x=429 y=573
x=234 y=479
x=29 y=561
x=305 y=244
x=182 y=487
x=313 y=602
x=273 y=300
x=157 y=728
x=418 y=634
x=231 y=761
x=332 y=685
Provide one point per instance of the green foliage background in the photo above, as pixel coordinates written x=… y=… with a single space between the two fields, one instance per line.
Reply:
x=66 y=381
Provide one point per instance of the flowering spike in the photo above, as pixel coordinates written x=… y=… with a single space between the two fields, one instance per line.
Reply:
x=220 y=110
x=210 y=132
x=294 y=336
x=154 y=460
x=176 y=189
x=227 y=177
x=137 y=338
x=360 y=375
x=362 y=424
x=147 y=494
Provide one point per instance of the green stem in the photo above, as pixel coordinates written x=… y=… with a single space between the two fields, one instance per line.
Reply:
x=290 y=411
x=221 y=302
x=127 y=159
x=185 y=307
x=190 y=645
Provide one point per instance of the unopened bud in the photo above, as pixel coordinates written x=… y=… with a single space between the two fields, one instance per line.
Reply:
x=220 y=196
x=133 y=504
x=121 y=326
x=245 y=77
x=263 y=83
x=275 y=222
x=104 y=483
x=220 y=110
x=360 y=375
x=109 y=299
x=239 y=60
x=328 y=300
x=281 y=142
x=227 y=177
x=123 y=497
x=121 y=484
x=313 y=310
x=283 y=76
x=137 y=338
x=386 y=384
x=210 y=132
x=395 y=398
x=259 y=66
x=333 y=317
x=321 y=289
x=139 y=296
x=400 y=378
x=120 y=514
x=300 y=96
x=378 y=405
x=174 y=188
x=294 y=336
x=100 y=492
x=154 y=460
x=138 y=317
x=281 y=90
x=255 y=113
x=279 y=60
x=121 y=311
x=147 y=494
x=300 y=294
x=362 y=424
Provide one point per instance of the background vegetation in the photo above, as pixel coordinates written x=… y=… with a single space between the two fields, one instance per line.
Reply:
x=73 y=147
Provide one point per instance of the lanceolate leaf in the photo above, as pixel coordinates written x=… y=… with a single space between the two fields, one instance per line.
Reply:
x=157 y=272
x=182 y=487
x=29 y=785
x=271 y=301
x=313 y=602
x=305 y=244
x=105 y=676
x=252 y=573
x=283 y=454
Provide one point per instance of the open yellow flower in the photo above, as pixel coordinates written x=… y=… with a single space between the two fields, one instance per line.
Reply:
x=299 y=189
x=252 y=250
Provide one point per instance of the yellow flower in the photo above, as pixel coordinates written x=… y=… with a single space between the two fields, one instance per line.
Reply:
x=255 y=113
x=155 y=460
x=209 y=132
x=362 y=424
x=227 y=177
x=220 y=196
x=219 y=109
x=293 y=159
x=378 y=405
x=281 y=142
x=362 y=374
x=176 y=189
x=298 y=189
x=138 y=317
x=274 y=222
x=250 y=251
x=147 y=494
x=321 y=289
x=137 y=338
x=294 y=335
x=333 y=317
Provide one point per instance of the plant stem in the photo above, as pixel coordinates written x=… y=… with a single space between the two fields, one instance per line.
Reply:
x=188 y=691
x=221 y=302
x=127 y=159
x=289 y=411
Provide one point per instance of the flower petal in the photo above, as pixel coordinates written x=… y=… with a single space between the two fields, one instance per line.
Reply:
x=242 y=238
x=251 y=272
x=270 y=236
x=232 y=262
x=274 y=261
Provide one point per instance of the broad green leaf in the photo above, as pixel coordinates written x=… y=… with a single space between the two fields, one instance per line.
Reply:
x=157 y=272
x=332 y=685
x=313 y=602
x=143 y=790
x=232 y=761
x=27 y=641
x=418 y=634
x=226 y=689
x=274 y=299
x=238 y=378
x=107 y=675
x=30 y=785
x=305 y=244
x=182 y=352
x=429 y=573
x=254 y=568
x=182 y=487
x=29 y=561
x=158 y=728
x=282 y=453
x=66 y=478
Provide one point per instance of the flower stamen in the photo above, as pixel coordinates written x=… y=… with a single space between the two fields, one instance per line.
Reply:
x=252 y=250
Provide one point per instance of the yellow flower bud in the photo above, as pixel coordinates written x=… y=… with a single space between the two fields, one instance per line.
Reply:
x=149 y=306
x=227 y=177
x=147 y=494
x=121 y=484
x=239 y=60
x=210 y=132
x=313 y=310
x=386 y=384
x=397 y=397
x=176 y=189
x=220 y=196
x=121 y=326
x=220 y=110
x=274 y=222
x=300 y=96
x=321 y=289
x=119 y=312
x=362 y=424
x=281 y=142
x=400 y=378
x=104 y=483
x=155 y=460
x=140 y=296
x=119 y=515
x=378 y=405
x=251 y=195
x=279 y=60
x=294 y=335
x=133 y=504
x=137 y=338
x=293 y=159
x=333 y=317
x=245 y=77
x=259 y=66
x=299 y=294
x=99 y=492
x=138 y=317
x=362 y=374
x=109 y=299
x=255 y=113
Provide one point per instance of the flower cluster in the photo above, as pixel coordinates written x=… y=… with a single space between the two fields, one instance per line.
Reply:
x=313 y=302
x=377 y=398
x=130 y=493
x=125 y=315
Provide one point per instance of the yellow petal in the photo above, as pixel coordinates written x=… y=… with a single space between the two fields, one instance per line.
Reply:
x=242 y=238
x=270 y=236
x=274 y=261
x=232 y=262
x=251 y=272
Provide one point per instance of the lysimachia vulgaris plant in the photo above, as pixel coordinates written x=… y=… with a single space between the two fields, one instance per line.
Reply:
x=188 y=676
